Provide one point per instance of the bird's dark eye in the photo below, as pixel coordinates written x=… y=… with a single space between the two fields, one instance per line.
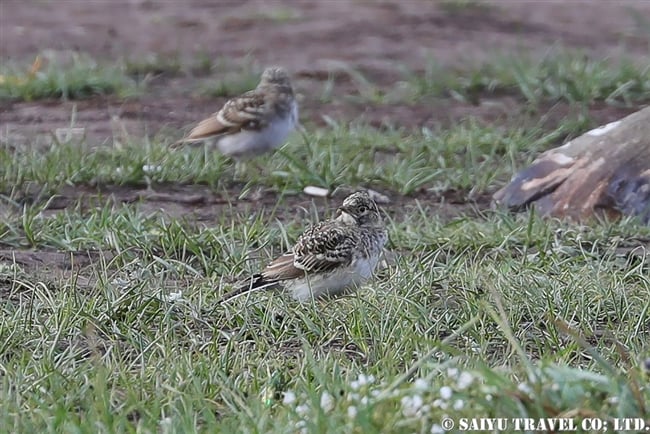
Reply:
x=362 y=209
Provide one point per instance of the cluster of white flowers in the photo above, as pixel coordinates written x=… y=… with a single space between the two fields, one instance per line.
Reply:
x=445 y=401
x=150 y=169
x=289 y=398
x=363 y=391
x=465 y=379
x=445 y=395
x=362 y=381
x=415 y=401
x=413 y=405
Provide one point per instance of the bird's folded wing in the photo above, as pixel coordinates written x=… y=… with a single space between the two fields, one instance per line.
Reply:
x=324 y=247
x=247 y=112
x=282 y=268
x=321 y=248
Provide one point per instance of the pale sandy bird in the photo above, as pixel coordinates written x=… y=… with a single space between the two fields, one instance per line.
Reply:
x=329 y=257
x=255 y=122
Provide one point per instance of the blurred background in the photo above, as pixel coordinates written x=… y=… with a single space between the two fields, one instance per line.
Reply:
x=398 y=63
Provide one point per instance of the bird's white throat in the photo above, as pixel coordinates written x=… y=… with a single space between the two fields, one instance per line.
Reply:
x=346 y=218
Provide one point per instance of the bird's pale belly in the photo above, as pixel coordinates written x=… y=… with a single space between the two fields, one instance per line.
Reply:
x=257 y=142
x=333 y=282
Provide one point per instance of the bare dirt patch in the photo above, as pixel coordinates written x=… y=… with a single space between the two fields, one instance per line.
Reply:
x=310 y=38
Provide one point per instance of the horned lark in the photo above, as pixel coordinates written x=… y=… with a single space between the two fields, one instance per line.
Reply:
x=255 y=122
x=329 y=257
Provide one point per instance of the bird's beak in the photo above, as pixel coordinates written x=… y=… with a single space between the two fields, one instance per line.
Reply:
x=344 y=215
x=342 y=210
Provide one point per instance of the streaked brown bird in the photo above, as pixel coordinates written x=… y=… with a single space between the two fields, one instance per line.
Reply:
x=255 y=122
x=329 y=257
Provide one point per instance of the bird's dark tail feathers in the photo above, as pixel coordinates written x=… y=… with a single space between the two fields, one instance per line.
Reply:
x=256 y=282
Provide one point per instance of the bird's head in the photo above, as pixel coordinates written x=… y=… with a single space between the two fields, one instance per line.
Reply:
x=359 y=208
x=275 y=76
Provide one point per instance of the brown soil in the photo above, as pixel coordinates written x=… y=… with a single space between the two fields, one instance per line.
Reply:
x=312 y=39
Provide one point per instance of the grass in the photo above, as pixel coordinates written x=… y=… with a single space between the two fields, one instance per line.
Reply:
x=154 y=64
x=467 y=157
x=277 y=15
x=229 y=82
x=142 y=334
x=560 y=75
x=564 y=76
x=55 y=77
x=110 y=321
x=77 y=76
x=454 y=7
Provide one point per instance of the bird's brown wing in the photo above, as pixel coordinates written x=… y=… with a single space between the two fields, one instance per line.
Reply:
x=246 y=112
x=321 y=248
x=282 y=268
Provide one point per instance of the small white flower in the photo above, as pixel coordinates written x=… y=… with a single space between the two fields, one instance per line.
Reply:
x=174 y=296
x=364 y=400
x=446 y=392
x=459 y=404
x=302 y=409
x=555 y=387
x=452 y=372
x=421 y=384
x=407 y=408
x=362 y=380
x=301 y=426
x=326 y=402
x=352 y=412
x=437 y=429
x=166 y=425
x=488 y=397
x=523 y=387
x=353 y=397
x=288 y=398
x=439 y=403
x=150 y=168
x=464 y=380
x=411 y=405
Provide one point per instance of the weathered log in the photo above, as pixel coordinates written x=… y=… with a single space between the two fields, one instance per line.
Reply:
x=606 y=170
